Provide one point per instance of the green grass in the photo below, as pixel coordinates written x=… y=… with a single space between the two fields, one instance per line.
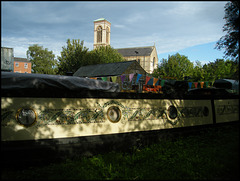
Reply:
x=212 y=154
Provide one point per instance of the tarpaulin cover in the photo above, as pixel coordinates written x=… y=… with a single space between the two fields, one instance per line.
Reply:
x=227 y=83
x=16 y=81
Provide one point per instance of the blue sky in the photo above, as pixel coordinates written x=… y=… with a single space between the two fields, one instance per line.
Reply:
x=190 y=28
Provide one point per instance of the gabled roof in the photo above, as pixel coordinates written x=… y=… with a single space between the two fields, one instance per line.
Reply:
x=101 y=70
x=18 y=59
x=136 y=51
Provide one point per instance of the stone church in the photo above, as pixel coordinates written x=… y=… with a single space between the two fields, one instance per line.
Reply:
x=145 y=56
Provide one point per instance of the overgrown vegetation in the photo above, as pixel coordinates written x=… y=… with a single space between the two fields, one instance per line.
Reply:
x=211 y=154
x=179 y=67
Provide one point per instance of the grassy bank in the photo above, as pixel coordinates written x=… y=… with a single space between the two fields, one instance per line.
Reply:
x=212 y=154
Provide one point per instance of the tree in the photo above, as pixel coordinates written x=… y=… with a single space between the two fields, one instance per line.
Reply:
x=177 y=66
x=198 y=73
x=72 y=57
x=105 y=54
x=230 y=42
x=43 y=61
x=220 y=69
x=76 y=55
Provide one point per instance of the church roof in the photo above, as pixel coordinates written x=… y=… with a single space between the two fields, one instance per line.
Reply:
x=136 y=51
x=103 y=70
x=100 y=19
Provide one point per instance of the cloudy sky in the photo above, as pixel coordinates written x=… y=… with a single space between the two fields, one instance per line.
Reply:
x=190 y=28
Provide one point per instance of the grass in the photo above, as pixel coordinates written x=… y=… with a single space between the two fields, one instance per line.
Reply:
x=212 y=154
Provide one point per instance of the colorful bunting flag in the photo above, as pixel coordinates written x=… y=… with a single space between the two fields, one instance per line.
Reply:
x=138 y=77
x=123 y=77
x=195 y=84
x=206 y=84
x=190 y=85
x=104 y=78
x=201 y=84
x=147 y=79
x=154 y=81
x=114 y=78
x=131 y=77
x=162 y=82
x=95 y=78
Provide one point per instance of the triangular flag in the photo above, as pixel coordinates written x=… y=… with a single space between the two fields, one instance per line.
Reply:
x=206 y=84
x=114 y=78
x=104 y=78
x=190 y=85
x=201 y=83
x=162 y=82
x=147 y=79
x=195 y=84
x=95 y=78
x=131 y=77
x=155 y=81
x=123 y=77
x=138 y=77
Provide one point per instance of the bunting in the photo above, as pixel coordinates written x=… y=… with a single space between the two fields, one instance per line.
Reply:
x=195 y=84
x=131 y=77
x=123 y=77
x=114 y=78
x=138 y=77
x=162 y=82
x=104 y=78
x=206 y=84
x=154 y=81
x=148 y=80
x=190 y=85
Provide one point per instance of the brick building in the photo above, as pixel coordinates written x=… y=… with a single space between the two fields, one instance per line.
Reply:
x=22 y=65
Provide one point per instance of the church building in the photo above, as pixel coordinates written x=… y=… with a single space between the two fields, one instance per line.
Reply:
x=145 y=56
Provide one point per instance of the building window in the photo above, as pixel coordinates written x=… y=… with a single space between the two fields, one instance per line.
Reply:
x=25 y=65
x=16 y=64
x=153 y=62
x=108 y=34
x=99 y=34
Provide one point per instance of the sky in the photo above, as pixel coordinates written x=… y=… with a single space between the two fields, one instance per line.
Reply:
x=190 y=28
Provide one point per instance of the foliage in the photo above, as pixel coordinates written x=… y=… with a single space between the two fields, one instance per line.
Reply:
x=76 y=55
x=198 y=73
x=177 y=66
x=209 y=154
x=43 y=61
x=230 y=42
x=105 y=54
x=72 y=57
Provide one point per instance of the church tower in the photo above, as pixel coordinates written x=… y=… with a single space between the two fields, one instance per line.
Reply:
x=101 y=32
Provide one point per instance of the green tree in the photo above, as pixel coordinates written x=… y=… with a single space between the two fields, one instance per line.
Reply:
x=105 y=54
x=76 y=55
x=198 y=73
x=220 y=69
x=72 y=57
x=43 y=61
x=177 y=66
x=230 y=42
